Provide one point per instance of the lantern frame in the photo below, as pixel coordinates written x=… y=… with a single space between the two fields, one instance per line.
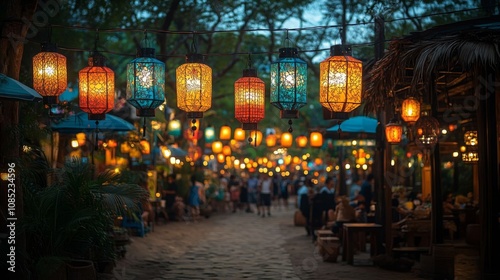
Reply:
x=410 y=110
x=341 y=75
x=146 y=82
x=427 y=131
x=50 y=77
x=393 y=131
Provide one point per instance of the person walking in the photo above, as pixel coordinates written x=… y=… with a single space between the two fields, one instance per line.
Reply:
x=194 y=198
x=266 y=189
x=252 y=185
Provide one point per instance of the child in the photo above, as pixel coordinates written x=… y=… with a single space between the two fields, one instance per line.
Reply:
x=194 y=199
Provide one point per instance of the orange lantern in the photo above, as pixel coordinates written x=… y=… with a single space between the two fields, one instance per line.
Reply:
x=226 y=150
x=221 y=158
x=410 y=110
x=301 y=141
x=145 y=147
x=81 y=138
x=393 y=132
x=271 y=140
x=96 y=88
x=239 y=134
x=49 y=73
x=316 y=139
x=286 y=139
x=217 y=147
x=255 y=138
x=340 y=80
x=249 y=99
x=225 y=132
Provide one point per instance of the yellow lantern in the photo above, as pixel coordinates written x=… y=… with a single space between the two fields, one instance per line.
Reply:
x=301 y=141
x=340 y=80
x=194 y=86
x=81 y=138
x=271 y=140
x=226 y=150
x=125 y=148
x=221 y=158
x=145 y=147
x=316 y=139
x=239 y=134
x=225 y=132
x=255 y=138
x=393 y=132
x=286 y=139
x=410 y=110
x=49 y=73
x=217 y=147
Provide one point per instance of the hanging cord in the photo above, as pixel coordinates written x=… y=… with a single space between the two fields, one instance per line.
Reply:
x=144 y=128
x=96 y=41
x=194 y=49
x=249 y=61
x=145 y=38
x=96 y=135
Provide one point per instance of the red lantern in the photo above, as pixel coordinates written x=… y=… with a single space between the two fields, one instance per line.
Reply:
x=249 y=99
x=316 y=139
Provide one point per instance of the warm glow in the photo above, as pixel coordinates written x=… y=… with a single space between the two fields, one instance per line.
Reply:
x=167 y=153
x=221 y=158
x=239 y=134
x=174 y=128
x=249 y=99
x=286 y=139
x=316 y=139
x=225 y=132
x=145 y=147
x=74 y=143
x=226 y=150
x=455 y=154
x=217 y=147
x=340 y=81
x=301 y=141
x=410 y=110
x=271 y=140
x=96 y=88
x=49 y=75
x=470 y=138
x=81 y=138
x=393 y=132
x=256 y=137
x=194 y=86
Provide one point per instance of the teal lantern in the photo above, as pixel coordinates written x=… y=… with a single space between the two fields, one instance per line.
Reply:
x=146 y=82
x=289 y=84
x=209 y=134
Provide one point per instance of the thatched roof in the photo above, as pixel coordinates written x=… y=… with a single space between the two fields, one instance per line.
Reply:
x=451 y=55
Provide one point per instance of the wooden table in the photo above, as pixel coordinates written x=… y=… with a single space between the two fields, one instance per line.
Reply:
x=349 y=231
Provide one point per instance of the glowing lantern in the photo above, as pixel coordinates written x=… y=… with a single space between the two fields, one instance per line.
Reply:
x=125 y=148
x=81 y=138
x=286 y=139
x=470 y=138
x=340 y=83
x=289 y=84
x=145 y=147
x=49 y=73
x=301 y=141
x=410 y=110
x=428 y=130
x=255 y=138
x=226 y=150
x=194 y=86
x=217 y=147
x=316 y=139
x=174 y=128
x=239 y=134
x=393 y=132
x=146 y=83
x=209 y=134
x=96 y=88
x=249 y=99
x=225 y=132
x=271 y=140
x=221 y=158
x=469 y=153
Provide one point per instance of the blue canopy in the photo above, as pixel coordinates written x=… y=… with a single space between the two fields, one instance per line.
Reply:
x=81 y=123
x=358 y=124
x=13 y=89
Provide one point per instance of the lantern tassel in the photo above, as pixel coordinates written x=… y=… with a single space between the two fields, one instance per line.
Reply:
x=290 y=129
x=193 y=127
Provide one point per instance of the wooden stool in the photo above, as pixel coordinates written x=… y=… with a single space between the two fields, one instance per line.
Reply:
x=329 y=248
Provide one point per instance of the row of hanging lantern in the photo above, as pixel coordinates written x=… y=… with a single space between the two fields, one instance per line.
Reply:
x=340 y=84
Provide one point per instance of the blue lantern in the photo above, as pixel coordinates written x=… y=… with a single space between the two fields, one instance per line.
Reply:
x=209 y=134
x=289 y=84
x=146 y=83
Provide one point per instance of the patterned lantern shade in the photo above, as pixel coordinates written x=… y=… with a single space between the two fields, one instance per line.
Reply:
x=410 y=110
x=301 y=141
x=194 y=86
x=249 y=99
x=316 y=139
x=239 y=134
x=427 y=129
x=340 y=83
x=470 y=138
x=96 y=88
x=49 y=73
x=393 y=132
x=225 y=132
x=271 y=140
x=286 y=139
x=146 y=83
x=217 y=147
x=255 y=138
x=289 y=83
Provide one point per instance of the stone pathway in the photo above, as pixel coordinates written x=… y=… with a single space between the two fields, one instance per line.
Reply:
x=237 y=246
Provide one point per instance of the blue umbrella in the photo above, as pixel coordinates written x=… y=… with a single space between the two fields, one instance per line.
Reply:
x=358 y=124
x=81 y=123
x=13 y=89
